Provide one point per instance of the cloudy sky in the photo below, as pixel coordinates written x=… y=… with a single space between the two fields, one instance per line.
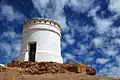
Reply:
x=91 y=30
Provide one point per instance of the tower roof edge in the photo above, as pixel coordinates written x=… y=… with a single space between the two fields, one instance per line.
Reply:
x=39 y=20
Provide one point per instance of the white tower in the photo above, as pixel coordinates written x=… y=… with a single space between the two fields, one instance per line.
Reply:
x=41 y=41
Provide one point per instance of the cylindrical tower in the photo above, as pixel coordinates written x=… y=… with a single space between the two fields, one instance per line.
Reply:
x=41 y=41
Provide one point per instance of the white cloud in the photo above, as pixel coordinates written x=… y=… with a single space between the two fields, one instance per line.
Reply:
x=110 y=51
x=63 y=44
x=6 y=47
x=114 y=32
x=88 y=60
x=102 y=25
x=77 y=52
x=116 y=41
x=16 y=46
x=68 y=56
x=81 y=50
x=102 y=60
x=98 y=42
x=8 y=34
x=93 y=11
x=118 y=60
x=41 y=5
x=109 y=65
x=103 y=71
x=81 y=5
x=10 y=14
x=68 y=38
x=115 y=6
x=113 y=71
x=12 y=48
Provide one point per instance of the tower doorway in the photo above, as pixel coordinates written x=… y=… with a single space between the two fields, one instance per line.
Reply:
x=32 y=51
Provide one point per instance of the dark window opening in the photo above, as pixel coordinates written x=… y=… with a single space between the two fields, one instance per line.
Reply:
x=34 y=21
x=32 y=51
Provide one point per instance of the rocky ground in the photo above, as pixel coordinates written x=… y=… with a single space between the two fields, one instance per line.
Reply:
x=26 y=70
x=38 y=68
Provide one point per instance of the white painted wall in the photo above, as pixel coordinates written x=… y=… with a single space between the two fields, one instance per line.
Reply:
x=47 y=37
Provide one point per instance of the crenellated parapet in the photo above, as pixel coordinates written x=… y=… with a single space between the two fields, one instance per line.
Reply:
x=42 y=21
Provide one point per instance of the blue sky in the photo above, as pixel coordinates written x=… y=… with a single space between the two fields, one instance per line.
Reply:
x=91 y=30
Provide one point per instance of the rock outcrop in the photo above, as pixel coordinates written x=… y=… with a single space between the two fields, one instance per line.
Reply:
x=52 y=67
x=80 y=68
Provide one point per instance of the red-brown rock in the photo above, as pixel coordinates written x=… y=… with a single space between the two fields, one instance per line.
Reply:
x=52 y=67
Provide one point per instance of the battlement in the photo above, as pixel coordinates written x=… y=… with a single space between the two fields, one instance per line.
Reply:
x=42 y=21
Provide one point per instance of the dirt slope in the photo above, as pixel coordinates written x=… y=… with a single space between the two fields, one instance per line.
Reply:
x=66 y=76
x=59 y=76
